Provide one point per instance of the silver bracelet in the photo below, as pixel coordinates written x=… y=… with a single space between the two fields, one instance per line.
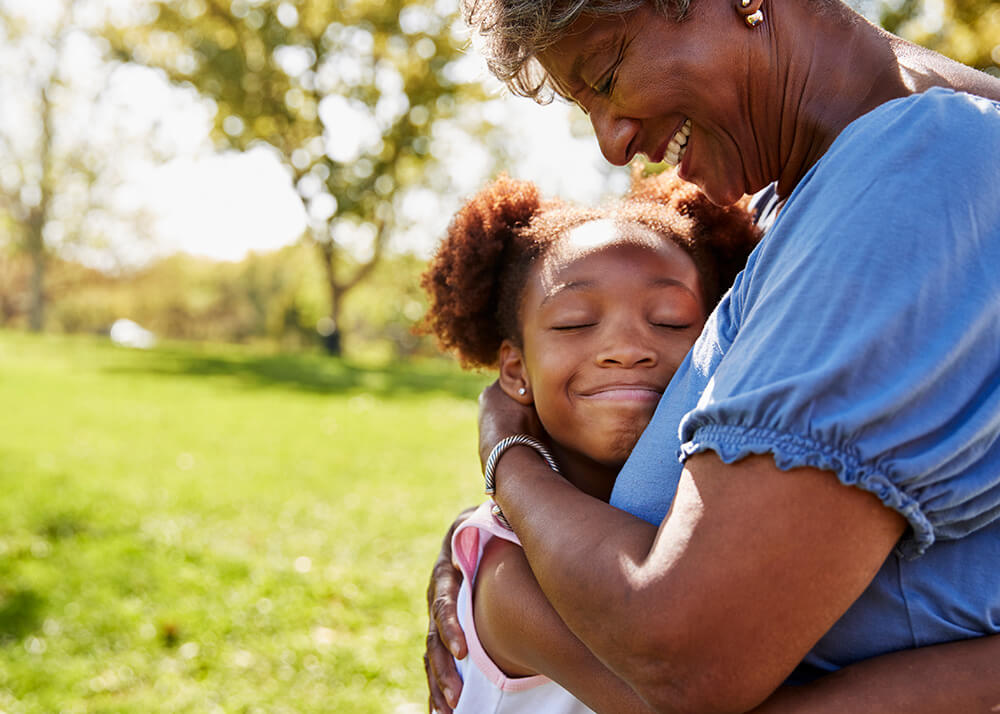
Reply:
x=490 y=470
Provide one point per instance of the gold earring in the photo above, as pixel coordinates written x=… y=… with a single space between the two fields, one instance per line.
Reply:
x=754 y=18
x=745 y=3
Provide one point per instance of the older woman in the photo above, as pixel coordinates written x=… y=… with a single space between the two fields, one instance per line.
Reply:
x=838 y=489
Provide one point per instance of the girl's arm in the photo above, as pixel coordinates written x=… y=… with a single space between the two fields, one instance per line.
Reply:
x=523 y=634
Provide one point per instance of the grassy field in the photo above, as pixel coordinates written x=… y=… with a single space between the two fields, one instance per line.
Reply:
x=211 y=529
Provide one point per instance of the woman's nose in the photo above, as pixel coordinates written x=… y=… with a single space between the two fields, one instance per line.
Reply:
x=615 y=135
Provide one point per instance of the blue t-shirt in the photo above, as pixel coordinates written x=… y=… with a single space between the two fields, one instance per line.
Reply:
x=863 y=337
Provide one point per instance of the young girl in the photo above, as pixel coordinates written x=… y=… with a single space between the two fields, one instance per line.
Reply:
x=586 y=314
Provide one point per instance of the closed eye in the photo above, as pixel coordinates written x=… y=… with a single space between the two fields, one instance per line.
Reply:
x=671 y=326
x=607 y=84
x=579 y=326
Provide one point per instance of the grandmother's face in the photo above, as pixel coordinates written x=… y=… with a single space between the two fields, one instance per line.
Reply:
x=674 y=91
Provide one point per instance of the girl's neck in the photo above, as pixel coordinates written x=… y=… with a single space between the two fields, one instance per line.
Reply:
x=593 y=478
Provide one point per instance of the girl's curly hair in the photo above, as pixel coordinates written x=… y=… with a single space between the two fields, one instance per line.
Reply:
x=477 y=277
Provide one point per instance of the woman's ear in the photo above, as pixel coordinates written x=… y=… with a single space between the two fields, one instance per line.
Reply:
x=514 y=380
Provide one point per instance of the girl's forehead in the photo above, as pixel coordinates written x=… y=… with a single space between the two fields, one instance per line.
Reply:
x=602 y=233
x=589 y=246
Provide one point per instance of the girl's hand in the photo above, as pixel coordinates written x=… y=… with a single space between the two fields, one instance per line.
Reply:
x=500 y=417
x=444 y=635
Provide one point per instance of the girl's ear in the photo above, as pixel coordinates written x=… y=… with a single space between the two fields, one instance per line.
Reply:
x=514 y=380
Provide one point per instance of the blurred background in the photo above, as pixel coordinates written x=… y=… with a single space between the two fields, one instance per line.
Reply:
x=226 y=460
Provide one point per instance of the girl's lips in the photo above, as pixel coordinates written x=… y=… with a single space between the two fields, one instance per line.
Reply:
x=625 y=393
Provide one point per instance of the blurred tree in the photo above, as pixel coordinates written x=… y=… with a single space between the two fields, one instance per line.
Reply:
x=966 y=30
x=62 y=158
x=358 y=97
x=27 y=190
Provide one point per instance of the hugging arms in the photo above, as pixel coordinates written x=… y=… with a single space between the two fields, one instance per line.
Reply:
x=837 y=496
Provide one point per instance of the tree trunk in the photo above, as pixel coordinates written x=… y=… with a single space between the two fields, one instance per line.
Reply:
x=36 y=293
x=332 y=343
x=332 y=336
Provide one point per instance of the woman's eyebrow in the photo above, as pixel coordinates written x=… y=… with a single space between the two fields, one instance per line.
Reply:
x=605 y=43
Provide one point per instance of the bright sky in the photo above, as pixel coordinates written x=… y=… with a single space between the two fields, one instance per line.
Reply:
x=224 y=204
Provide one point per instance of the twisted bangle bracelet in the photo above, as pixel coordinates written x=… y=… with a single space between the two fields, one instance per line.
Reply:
x=489 y=472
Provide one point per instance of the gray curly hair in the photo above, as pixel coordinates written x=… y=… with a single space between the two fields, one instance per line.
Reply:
x=515 y=31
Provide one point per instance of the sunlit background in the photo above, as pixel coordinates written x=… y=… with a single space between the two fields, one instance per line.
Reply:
x=226 y=458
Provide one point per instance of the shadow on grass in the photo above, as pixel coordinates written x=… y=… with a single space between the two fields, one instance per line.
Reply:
x=311 y=373
x=20 y=613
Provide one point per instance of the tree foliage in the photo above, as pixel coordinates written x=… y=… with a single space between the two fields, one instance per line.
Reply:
x=354 y=95
x=965 y=30
x=65 y=152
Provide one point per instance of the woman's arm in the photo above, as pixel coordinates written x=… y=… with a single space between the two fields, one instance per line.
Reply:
x=715 y=608
x=958 y=677
x=521 y=631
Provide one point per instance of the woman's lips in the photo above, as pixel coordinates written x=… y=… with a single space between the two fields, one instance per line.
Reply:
x=673 y=148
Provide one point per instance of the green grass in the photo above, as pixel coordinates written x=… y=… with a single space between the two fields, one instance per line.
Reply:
x=203 y=529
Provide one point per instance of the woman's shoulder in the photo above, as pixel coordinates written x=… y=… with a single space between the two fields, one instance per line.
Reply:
x=940 y=119
x=913 y=160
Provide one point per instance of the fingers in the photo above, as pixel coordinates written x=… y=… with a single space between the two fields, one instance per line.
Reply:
x=444 y=615
x=442 y=604
x=443 y=680
x=444 y=633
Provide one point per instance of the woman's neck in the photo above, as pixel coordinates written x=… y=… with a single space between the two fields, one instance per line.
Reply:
x=838 y=66
x=843 y=67
x=593 y=478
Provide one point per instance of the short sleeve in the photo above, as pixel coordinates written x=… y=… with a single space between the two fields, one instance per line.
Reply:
x=865 y=337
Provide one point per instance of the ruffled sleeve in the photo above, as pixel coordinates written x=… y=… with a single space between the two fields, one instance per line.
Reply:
x=864 y=337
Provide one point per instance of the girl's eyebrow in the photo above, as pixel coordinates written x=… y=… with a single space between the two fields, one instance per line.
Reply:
x=572 y=285
x=576 y=285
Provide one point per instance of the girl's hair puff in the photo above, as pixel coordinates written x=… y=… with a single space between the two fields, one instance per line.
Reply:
x=483 y=245
x=719 y=239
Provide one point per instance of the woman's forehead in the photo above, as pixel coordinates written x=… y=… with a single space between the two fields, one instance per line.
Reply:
x=586 y=37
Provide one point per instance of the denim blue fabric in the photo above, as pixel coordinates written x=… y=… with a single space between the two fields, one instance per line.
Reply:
x=863 y=337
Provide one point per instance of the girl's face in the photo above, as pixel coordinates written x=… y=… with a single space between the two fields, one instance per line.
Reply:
x=607 y=317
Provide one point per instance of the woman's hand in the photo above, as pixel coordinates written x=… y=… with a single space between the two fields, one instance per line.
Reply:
x=444 y=635
x=500 y=417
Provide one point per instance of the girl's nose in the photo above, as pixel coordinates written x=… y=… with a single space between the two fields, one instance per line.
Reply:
x=626 y=347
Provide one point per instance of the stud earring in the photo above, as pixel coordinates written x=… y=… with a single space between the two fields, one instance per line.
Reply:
x=754 y=18
x=745 y=3
x=522 y=391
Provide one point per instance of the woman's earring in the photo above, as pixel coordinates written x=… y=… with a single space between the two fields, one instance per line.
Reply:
x=522 y=391
x=751 y=12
